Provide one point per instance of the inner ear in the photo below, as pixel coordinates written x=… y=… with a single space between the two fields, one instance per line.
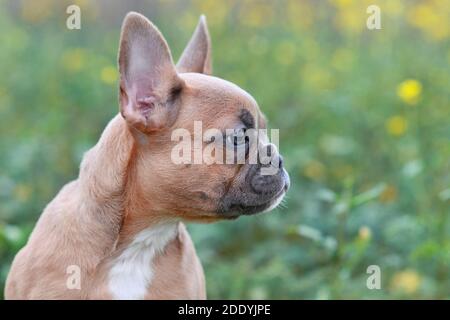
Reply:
x=196 y=57
x=147 y=75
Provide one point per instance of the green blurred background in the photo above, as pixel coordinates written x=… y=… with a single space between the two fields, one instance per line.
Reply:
x=364 y=120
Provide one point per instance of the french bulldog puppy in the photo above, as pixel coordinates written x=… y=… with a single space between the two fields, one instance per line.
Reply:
x=116 y=232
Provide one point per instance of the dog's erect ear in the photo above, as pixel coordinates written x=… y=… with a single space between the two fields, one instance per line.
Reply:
x=196 y=56
x=149 y=82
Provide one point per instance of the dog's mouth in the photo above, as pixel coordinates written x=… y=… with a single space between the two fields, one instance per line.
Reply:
x=265 y=207
x=236 y=210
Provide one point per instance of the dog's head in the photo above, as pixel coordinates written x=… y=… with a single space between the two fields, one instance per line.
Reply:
x=186 y=124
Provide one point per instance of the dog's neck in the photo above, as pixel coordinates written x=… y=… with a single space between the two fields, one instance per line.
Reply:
x=129 y=230
x=107 y=179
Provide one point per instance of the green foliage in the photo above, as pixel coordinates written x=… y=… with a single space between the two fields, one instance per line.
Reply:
x=363 y=117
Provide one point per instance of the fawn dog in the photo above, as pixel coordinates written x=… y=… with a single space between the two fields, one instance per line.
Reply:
x=117 y=231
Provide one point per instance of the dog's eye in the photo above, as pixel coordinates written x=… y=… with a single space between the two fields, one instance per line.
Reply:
x=238 y=137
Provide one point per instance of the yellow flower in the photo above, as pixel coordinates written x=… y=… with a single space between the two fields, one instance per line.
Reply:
x=109 y=75
x=431 y=17
x=407 y=281
x=256 y=14
x=396 y=125
x=285 y=53
x=350 y=15
x=389 y=194
x=314 y=170
x=364 y=233
x=409 y=91
x=316 y=77
x=74 y=60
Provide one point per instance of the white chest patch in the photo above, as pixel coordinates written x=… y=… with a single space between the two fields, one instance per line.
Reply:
x=132 y=271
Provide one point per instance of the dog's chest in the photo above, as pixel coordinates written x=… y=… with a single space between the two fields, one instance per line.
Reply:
x=132 y=272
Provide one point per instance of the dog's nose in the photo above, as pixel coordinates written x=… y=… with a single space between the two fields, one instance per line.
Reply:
x=267 y=185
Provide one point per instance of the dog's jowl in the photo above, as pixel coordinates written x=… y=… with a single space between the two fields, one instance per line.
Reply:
x=120 y=224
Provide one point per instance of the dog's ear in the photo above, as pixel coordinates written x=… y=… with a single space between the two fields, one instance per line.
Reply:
x=196 y=56
x=149 y=83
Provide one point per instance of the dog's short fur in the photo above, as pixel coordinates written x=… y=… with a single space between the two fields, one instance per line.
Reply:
x=120 y=223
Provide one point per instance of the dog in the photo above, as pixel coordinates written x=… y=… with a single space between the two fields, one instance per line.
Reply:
x=117 y=231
